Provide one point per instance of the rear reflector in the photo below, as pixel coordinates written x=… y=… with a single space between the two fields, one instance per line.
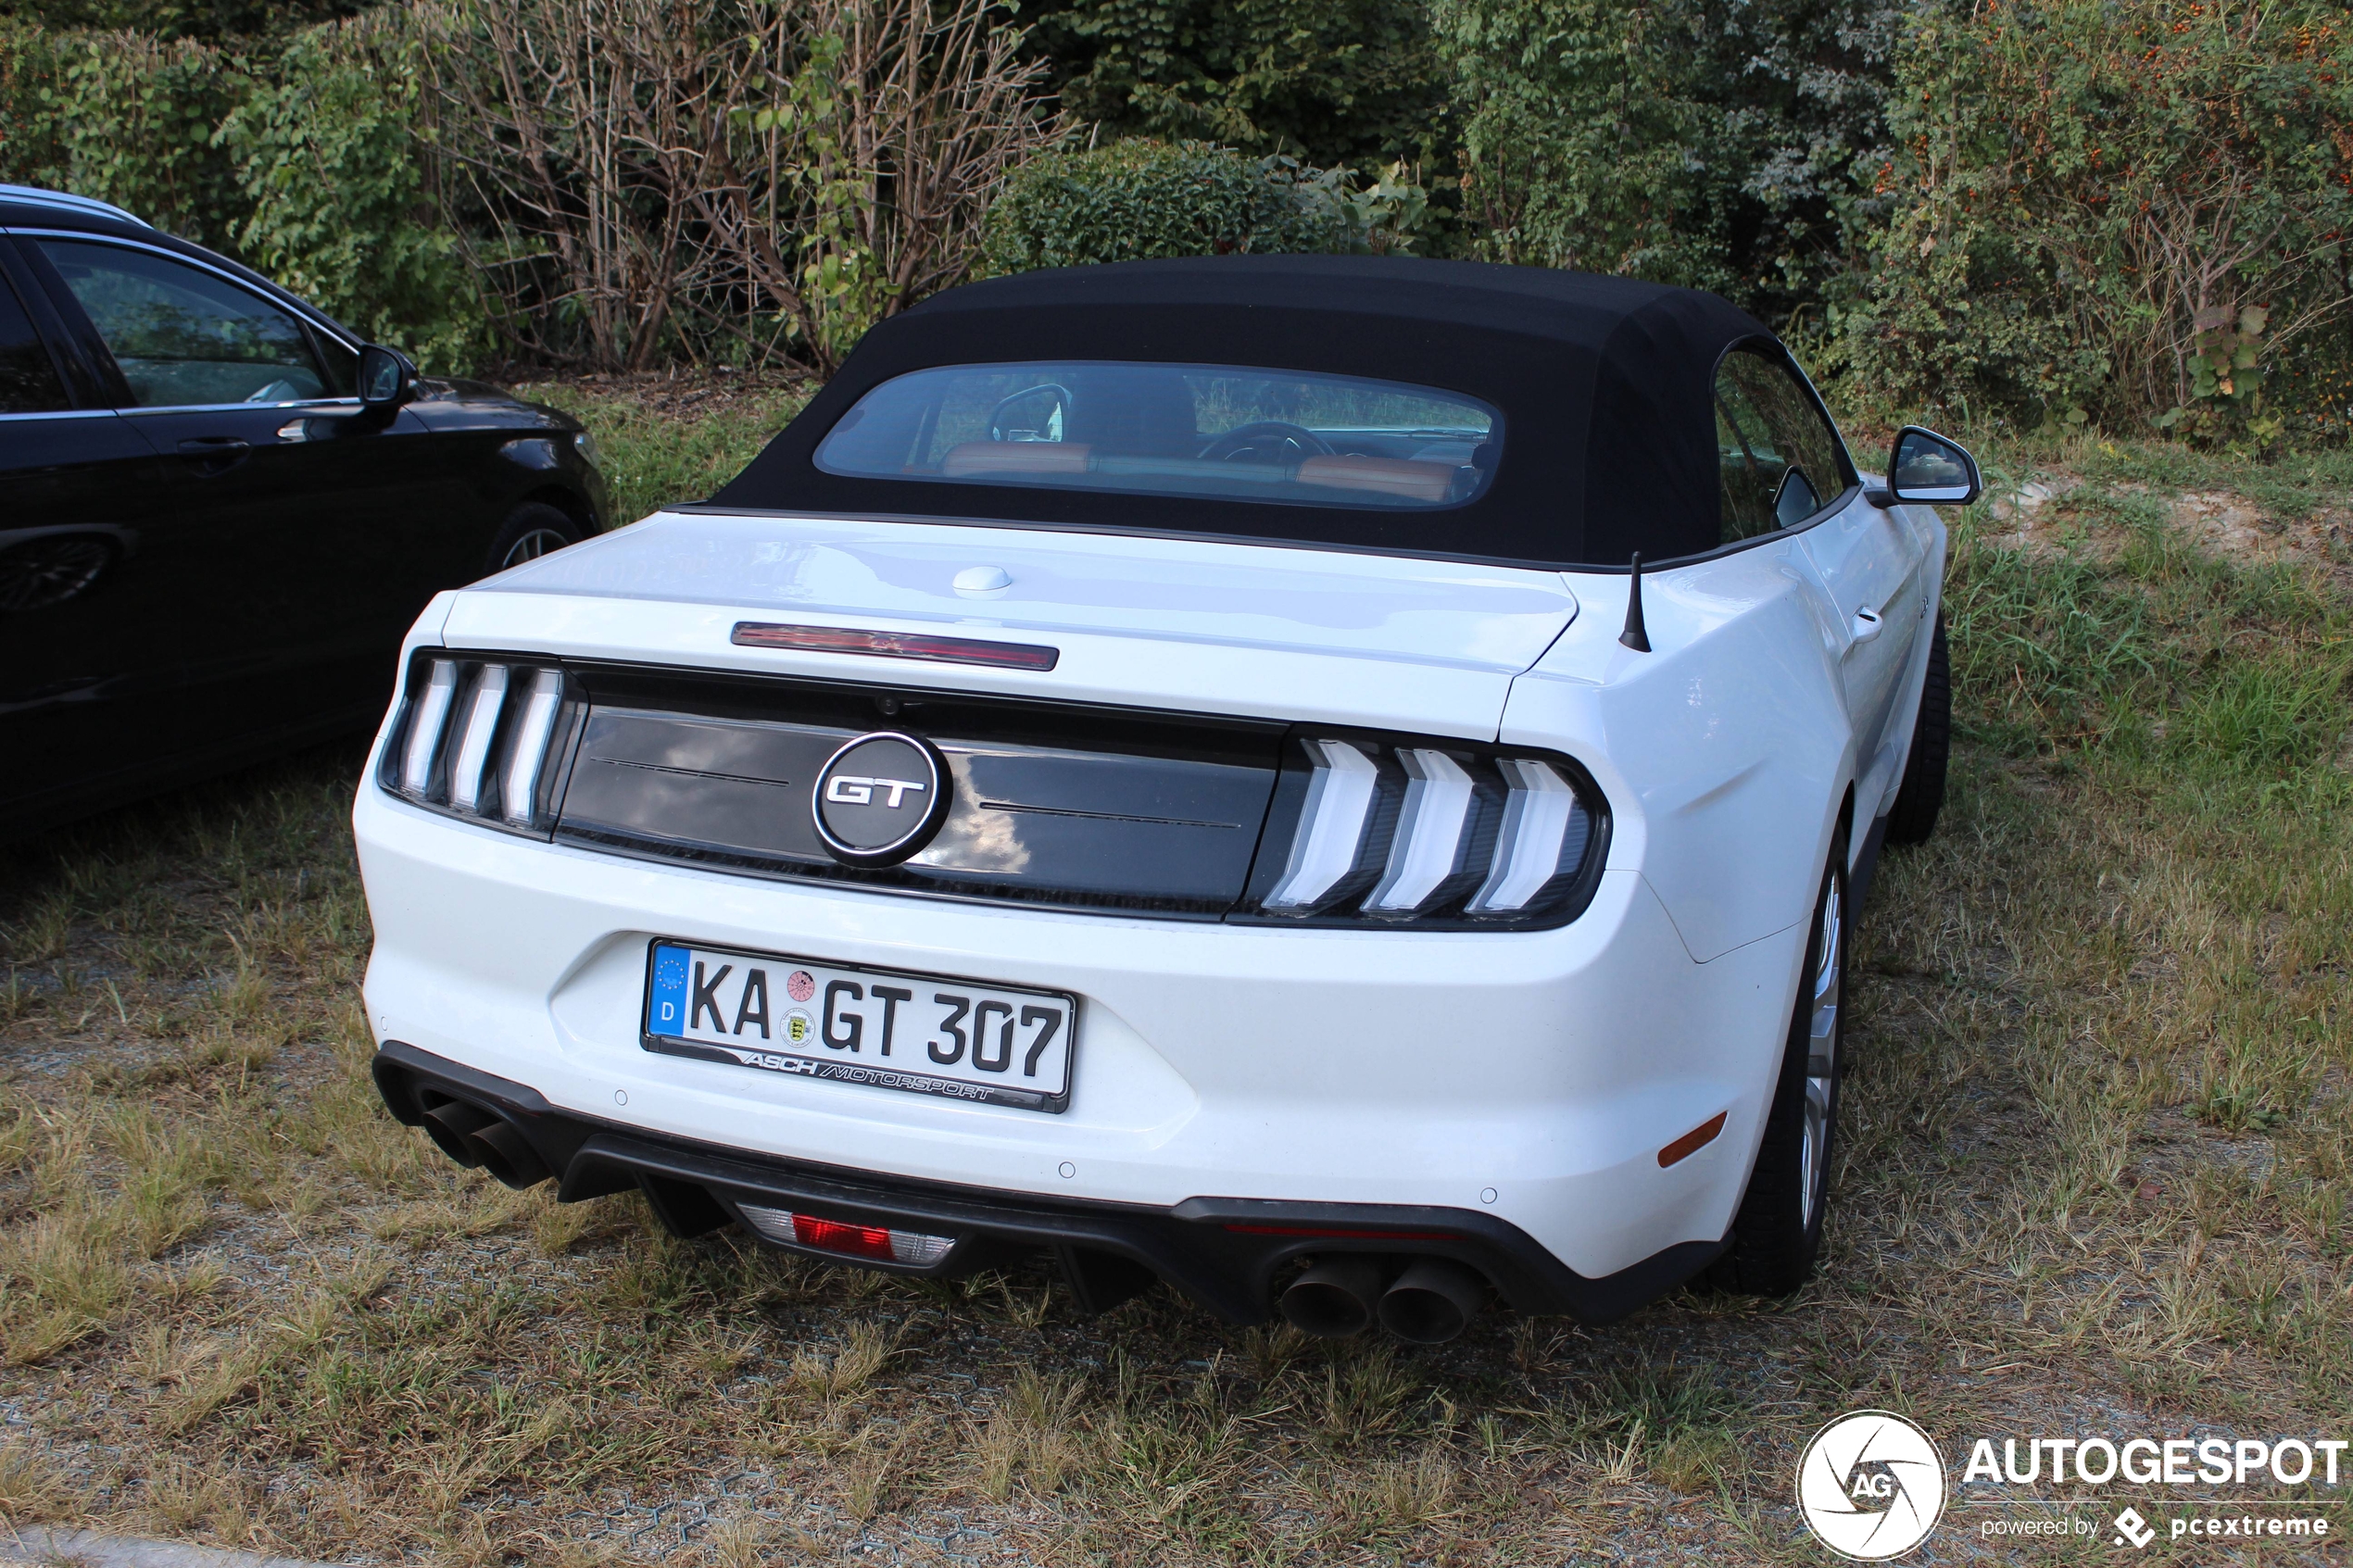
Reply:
x=896 y=645
x=872 y=1242
x=1690 y=1143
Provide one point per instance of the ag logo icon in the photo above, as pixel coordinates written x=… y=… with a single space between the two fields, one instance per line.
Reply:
x=880 y=799
x=1870 y=1486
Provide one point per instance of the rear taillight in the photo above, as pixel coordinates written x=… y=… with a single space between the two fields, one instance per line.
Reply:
x=1371 y=830
x=484 y=739
x=876 y=1244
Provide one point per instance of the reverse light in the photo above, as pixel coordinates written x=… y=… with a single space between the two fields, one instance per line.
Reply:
x=876 y=1244
x=483 y=739
x=1376 y=830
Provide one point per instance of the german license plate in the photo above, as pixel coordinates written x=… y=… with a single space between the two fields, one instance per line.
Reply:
x=926 y=1033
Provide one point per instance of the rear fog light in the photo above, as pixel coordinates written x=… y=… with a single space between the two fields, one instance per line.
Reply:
x=875 y=1242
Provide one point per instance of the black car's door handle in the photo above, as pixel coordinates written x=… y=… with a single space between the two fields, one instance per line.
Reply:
x=215 y=454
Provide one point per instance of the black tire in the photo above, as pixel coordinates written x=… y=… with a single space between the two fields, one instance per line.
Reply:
x=1913 y=817
x=530 y=531
x=1778 y=1232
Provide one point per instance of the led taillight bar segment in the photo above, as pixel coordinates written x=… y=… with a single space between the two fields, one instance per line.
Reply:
x=424 y=729
x=896 y=645
x=1339 y=798
x=875 y=1243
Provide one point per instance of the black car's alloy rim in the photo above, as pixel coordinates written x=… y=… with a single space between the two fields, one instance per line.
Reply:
x=532 y=546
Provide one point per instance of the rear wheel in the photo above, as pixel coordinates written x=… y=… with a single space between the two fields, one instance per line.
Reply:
x=1778 y=1229
x=1921 y=796
x=530 y=531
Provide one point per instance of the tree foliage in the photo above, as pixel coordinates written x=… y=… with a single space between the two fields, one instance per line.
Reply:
x=1329 y=81
x=1137 y=199
x=1727 y=144
x=2114 y=209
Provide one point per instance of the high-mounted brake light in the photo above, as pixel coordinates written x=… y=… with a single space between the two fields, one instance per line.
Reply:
x=877 y=1243
x=896 y=645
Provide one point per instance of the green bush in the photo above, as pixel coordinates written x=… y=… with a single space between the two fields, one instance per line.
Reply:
x=1332 y=82
x=126 y=119
x=336 y=181
x=1137 y=199
x=1727 y=147
x=2112 y=210
x=304 y=163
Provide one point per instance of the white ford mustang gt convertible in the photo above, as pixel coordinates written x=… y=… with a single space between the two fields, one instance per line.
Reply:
x=1337 y=784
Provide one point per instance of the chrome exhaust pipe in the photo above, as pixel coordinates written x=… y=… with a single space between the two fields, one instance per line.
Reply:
x=1334 y=1299
x=501 y=1149
x=452 y=1124
x=1433 y=1302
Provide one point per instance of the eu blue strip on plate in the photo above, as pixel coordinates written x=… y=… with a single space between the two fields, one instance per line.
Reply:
x=666 y=996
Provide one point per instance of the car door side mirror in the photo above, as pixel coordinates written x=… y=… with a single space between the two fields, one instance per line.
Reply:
x=1927 y=469
x=386 y=378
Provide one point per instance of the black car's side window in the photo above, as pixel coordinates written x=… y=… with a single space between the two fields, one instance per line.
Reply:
x=185 y=337
x=1778 y=457
x=29 y=382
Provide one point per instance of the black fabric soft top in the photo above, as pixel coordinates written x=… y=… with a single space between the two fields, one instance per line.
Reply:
x=1606 y=386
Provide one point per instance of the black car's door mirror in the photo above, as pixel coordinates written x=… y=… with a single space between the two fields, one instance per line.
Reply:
x=1929 y=469
x=385 y=377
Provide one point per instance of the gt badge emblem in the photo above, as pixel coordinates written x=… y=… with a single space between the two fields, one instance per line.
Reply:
x=880 y=799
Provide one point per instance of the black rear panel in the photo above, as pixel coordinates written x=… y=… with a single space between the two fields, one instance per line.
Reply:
x=1076 y=808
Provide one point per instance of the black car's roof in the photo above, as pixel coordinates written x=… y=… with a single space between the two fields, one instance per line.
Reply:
x=18 y=213
x=1605 y=386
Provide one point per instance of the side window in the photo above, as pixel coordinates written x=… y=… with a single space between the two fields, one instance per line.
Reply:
x=184 y=336
x=29 y=382
x=1778 y=456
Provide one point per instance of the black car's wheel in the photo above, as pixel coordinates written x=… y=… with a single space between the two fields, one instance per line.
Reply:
x=1913 y=817
x=531 y=530
x=1779 y=1228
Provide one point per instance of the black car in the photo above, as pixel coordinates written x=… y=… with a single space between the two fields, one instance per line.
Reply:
x=220 y=510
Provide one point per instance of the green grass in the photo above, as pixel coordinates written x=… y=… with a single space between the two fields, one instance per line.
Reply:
x=660 y=443
x=2095 y=1175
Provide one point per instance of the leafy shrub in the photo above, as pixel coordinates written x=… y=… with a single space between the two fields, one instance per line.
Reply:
x=1331 y=82
x=1137 y=199
x=1727 y=147
x=339 y=208
x=126 y=119
x=2096 y=199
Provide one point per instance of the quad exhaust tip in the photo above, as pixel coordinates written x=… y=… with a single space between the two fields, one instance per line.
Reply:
x=480 y=1140
x=1433 y=1300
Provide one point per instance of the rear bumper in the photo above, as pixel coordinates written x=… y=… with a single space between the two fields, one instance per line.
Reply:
x=1224 y=1252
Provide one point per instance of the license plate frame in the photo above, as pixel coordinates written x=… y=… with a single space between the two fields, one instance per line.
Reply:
x=811 y=1050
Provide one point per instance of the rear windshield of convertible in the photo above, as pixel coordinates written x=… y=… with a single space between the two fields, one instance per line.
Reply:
x=1212 y=431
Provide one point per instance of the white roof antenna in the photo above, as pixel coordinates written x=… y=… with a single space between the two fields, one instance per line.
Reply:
x=38 y=197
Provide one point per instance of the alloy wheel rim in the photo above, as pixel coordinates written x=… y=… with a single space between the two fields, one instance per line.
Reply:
x=1821 y=1057
x=532 y=546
